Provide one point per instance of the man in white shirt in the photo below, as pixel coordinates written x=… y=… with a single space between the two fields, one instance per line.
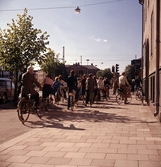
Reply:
x=123 y=83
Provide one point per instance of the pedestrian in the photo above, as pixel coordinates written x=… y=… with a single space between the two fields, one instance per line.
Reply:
x=133 y=86
x=115 y=85
x=100 y=85
x=83 y=87
x=123 y=83
x=56 y=88
x=20 y=81
x=71 y=84
x=63 y=87
x=90 y=85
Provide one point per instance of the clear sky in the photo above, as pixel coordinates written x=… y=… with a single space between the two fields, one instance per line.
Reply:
x=105 y=32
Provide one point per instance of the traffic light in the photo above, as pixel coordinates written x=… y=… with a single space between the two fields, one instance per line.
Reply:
x=113 y=68
x=117 y=67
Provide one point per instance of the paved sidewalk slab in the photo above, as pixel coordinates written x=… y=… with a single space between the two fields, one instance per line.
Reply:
x=106 y=135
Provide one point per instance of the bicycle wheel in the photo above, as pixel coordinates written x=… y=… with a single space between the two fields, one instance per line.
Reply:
x=71 y=102
x=23 y=110
x=40 y=111
x=101 y=95
x=129 y=99
x=49 y=104
x=139 y=94
x=119 y=98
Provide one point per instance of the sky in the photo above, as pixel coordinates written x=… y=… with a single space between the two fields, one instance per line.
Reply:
x=104 y=33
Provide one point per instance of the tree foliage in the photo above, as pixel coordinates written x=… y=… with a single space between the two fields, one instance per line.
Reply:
x=130 y=71
x=105 y=73
x=21 y=44
x=50 y=63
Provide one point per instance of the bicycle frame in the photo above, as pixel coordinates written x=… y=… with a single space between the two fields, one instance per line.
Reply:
x=25 y=106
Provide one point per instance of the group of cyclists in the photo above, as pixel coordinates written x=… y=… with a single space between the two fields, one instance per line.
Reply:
x=57 y=87
x=84 y=87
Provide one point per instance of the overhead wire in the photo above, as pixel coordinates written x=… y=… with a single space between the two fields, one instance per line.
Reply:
x=60 y=7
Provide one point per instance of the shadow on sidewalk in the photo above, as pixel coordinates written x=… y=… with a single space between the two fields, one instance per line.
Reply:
x=56 y=117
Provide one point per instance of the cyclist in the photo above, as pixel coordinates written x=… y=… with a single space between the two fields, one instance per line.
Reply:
x=63 y=87
x=123 y=83
x=47 y=87
x=71 y=84
x=90 y=85
x=100 y=86
x=28 y=79
x=138 y=82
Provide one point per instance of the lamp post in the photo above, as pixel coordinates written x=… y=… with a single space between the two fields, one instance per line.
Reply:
x=77 y=10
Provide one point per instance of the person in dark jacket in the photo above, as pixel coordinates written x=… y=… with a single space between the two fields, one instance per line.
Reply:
x=28 y=79
x=71 y=84
x=90 y=86
x=20 y=81
x=83 y=87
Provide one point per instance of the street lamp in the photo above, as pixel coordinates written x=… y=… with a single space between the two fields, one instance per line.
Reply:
x=77 y=10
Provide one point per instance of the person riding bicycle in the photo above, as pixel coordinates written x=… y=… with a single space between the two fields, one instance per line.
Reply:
x=107 y=85
x=28 y=81
x=123 y=83
x=138 y=82
x=100 y=86
x=63 y=87
x=90 y=86
x=71 y=84
x=47 y=87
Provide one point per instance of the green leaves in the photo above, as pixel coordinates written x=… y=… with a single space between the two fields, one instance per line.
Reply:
x=22 y=44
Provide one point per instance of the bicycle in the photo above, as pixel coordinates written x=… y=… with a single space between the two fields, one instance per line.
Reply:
x=139 y=95
x=72 y=99
x=120 y=96
x=48 y=103
x=26 y=105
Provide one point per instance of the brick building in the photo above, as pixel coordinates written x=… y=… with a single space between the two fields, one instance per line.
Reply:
x=151 y=56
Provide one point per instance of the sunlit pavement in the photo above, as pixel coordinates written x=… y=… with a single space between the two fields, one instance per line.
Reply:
x=104 y=135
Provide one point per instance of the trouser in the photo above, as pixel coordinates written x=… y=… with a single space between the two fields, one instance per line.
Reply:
x=124 y=88
x=35 y=97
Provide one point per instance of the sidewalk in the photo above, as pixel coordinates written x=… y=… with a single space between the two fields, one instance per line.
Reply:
x=106 y=135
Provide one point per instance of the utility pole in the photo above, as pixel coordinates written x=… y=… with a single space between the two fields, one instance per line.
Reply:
x=81 y=60
x=63 y=54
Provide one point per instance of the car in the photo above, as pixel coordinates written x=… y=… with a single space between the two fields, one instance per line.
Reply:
x=7 y=88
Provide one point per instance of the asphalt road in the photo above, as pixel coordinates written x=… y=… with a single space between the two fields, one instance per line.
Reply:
x=11 y=127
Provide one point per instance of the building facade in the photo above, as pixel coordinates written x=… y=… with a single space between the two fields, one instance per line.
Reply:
x=82 y=69
x=151 y=56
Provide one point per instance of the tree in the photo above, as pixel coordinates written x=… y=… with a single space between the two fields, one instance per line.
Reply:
x=130 y=71
x=105 y=73
x=50 y=63
x=21 y=45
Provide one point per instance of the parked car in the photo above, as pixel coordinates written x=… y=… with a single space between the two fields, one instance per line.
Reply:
x=7 y=88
